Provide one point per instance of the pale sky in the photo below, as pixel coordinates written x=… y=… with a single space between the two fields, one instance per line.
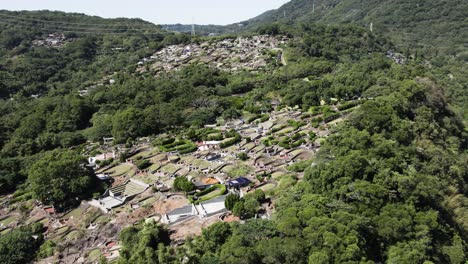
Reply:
x=220 y=12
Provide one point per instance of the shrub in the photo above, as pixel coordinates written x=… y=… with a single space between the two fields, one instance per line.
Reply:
x=231 y=201
x=237 y=138
x=331 y=116
x=264 y=118
x=188 y=150
x=202 y=196
x=298 y=143
x=299 y=166
x=242 y=156
x=348 y=105
x=252 y=118
x=123 y=156
x=183 y=184
x=46 y=250
x=284 y=144
x=143 y=164
x=215 y=137
x=259 y=195
x=312 y=136
x=167 y=141
x=238 y=209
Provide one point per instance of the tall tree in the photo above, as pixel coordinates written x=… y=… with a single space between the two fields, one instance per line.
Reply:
x=59 y=177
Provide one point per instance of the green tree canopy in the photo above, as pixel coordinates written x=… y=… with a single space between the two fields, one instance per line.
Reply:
x=144 y=243
x=18 y=246
x=183 y=184
x=59 y=177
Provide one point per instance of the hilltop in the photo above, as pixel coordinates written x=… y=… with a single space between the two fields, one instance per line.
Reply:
x=409 y=24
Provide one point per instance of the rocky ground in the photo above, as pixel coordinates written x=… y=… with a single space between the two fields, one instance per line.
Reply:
x=242 y=53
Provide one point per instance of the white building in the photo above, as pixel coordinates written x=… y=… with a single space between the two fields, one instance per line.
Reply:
x=179 y=214
x=211 y=207
x=202 y=210
x=208 y=145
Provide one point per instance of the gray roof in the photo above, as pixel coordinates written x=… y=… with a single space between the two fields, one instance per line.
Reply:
x=181 y=211
x=218 y=199
x=110 y=202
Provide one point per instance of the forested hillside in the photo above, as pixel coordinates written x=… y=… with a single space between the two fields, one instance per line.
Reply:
x=384 y=189
x=431 y=32
x=46 y=59
x=389 y=185
x=54 y=50
x=427 y=25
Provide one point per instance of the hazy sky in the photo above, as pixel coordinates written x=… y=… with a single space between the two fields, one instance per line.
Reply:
x=219 y=12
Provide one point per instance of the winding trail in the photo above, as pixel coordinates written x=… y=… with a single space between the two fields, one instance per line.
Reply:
x=283 y=59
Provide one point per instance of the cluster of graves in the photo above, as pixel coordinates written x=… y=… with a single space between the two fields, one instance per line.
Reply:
x=53 y=40
x=271 y=143
x=398 y=58
x=241 y=53
x=211 y=164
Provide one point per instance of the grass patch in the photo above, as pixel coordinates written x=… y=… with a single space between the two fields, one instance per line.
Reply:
x=142 y=154
x=62 y=230
x=94 y=255
x=76 y=214
x=278 y=174
x=21 y=197
x=169 y=168
x=149 y=201
x=6 y=231
x=8 y=220
x=239 y=171
x=268 y=187
x=73 y=235
x=44 y=221
x=154 y=166
x=181 y=146
x=119 y=170
x=201 y=163
x=208 y=194
x=101 y=220
x=146 y=178
x=159 y=158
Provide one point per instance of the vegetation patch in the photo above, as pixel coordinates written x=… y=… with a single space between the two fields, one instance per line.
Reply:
x=240 y=170
x=119 y=170
x=208 y=194
x=8 y=220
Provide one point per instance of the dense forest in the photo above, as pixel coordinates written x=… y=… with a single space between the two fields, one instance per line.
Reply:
x=433 y=32
x=389 y=186
x=44 y=110
x=437 y=26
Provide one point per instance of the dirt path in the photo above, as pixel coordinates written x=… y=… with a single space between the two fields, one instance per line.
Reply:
x=283 y=59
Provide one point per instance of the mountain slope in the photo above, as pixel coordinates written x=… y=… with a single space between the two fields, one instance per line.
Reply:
x=388 y=186
x=41 y=49
x=423 y=24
